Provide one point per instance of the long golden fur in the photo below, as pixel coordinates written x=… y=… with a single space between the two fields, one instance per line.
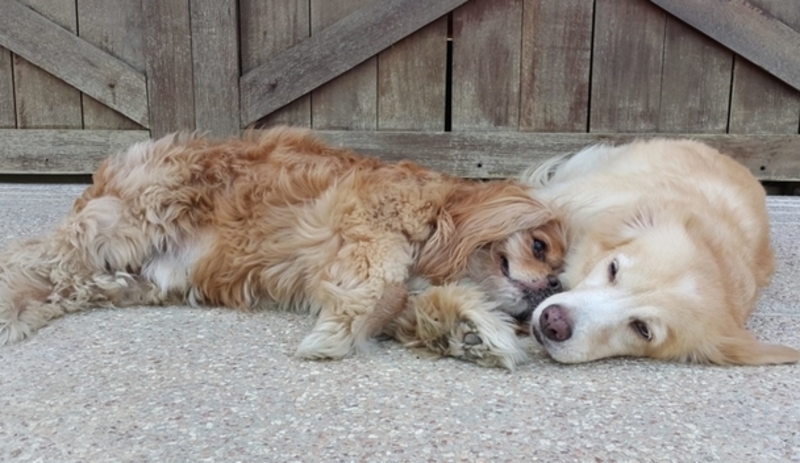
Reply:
x=669 y=247
x=281 y=218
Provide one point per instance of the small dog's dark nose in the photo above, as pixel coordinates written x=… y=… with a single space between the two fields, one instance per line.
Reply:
x=555 y=323
x=554 y=282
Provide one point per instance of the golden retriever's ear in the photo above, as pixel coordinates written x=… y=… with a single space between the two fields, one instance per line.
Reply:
x=744 y=349
x=478 y=214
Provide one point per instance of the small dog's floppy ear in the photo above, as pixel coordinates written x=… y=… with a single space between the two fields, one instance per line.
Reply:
x=475 y=215
x=744 y=349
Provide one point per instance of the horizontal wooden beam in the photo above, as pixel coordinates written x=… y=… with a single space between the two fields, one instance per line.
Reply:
x=73 y=60
x=334 y=51
x=745 y=29
x=24 y=151
x=507 y=154
x=473 y=155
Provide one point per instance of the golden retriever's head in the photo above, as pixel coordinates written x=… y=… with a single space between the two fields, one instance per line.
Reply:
x=657 y=287
x=499 y=238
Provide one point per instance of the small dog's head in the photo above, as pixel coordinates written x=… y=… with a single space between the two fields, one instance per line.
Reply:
x=654 y=287
x=499 y=238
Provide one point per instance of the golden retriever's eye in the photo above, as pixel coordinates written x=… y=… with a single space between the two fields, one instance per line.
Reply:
x=613 y=268
x=642 y=329
x=539 y=249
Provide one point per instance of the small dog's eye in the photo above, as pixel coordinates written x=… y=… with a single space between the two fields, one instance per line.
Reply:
x=539 y=249
x=613 y=268
x=642 y=329
x=504 y=266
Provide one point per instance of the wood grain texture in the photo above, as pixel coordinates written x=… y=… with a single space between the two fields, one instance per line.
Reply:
x=61 y=151
x=626 y=67
x=506 y=154
x=114 y=26
x=333 y=51
x=467 y=154
x=556 y=64
x=747 y=30
x=486 y=65
x=411 y=81
x=8 y=118
x=78 y=63
x=168 y=58
x=42 y=100
x=215 y=52
x=696 y=82
x=760 y=102
x=268 y=27
x=349 y=101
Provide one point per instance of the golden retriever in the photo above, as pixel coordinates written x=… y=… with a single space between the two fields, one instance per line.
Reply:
x=282 y=219
x=668 y=248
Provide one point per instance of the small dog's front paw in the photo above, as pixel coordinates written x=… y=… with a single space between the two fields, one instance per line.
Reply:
x=489 y=343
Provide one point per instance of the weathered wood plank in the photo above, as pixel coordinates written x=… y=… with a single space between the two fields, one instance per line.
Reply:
x=8 y=117
x=267 y=28
x=747 y=30
x=42 y=100
x=411 y=81
x=114 y=26
x=696 y=82
x=61 y=151
x=349 y=101
x=467 y=154
x=215 y=52
x=486 y=65
x=78 y=63
x=334 y=51
x=626 y=67
x=168 y=57
x=760 y=102
x=506 y=154
x=556 y=63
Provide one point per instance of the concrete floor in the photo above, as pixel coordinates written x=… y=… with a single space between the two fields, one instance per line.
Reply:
x=190 y=385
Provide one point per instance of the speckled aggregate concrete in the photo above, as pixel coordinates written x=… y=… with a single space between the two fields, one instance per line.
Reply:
x=190 y=385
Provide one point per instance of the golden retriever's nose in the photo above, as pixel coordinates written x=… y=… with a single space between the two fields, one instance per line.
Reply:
x=555 y=323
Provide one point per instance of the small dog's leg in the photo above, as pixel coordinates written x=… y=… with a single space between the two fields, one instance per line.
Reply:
x=80 y=264
x=457 y=321
x=337 y=335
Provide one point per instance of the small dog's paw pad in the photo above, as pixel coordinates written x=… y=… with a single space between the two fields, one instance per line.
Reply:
x=467 y=342
x=471 y=339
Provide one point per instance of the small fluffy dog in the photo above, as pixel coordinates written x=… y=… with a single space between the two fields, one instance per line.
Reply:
x=282 y=219
x=668 y=248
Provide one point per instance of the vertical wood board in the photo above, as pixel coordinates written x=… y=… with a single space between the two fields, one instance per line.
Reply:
x=760 y=102
x=269 y=27
x=486 y=65
x=8 y=117
x=215 y=53
x=696 y=85
x=114 y=26
x=168 y=56
x=411 y=81
x=351 y=100
x=42 y=100
x=626 y=67
x=556 y=64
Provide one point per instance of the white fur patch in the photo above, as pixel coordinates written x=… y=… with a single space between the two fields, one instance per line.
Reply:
x=170 y=270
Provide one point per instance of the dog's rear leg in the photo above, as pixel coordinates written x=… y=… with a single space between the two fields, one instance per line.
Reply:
x=457 y=321
x=81 y=264
x=339 y=333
